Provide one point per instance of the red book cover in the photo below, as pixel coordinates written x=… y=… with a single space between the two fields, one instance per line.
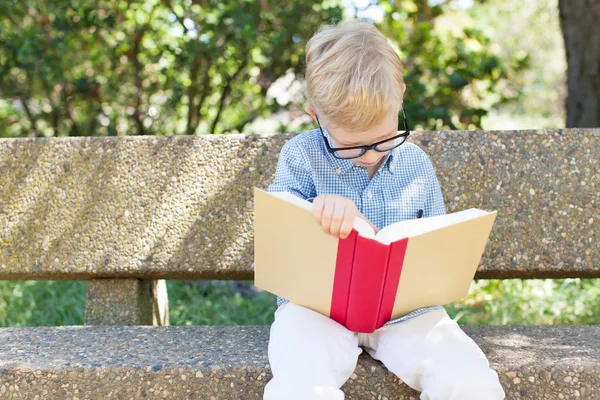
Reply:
x=392 y=277
x=366 y=280
x=366 y=285
x=343 y=275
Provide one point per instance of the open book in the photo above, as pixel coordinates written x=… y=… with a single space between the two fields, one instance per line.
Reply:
x=366 y=279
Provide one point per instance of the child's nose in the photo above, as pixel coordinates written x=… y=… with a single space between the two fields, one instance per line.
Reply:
x=371 y=157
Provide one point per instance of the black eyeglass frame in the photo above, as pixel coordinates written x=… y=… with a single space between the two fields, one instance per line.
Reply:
x=373 y=146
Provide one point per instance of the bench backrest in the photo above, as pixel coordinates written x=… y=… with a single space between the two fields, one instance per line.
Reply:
x=180 y=207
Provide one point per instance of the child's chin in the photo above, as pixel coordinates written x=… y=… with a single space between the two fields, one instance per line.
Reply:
x=368 y=165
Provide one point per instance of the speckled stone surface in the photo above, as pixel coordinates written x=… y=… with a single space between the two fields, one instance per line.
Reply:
x=181 y=207
x=126 y=302
x=231 y=363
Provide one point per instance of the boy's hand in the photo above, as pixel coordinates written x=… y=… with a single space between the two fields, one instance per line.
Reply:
x=336 y=214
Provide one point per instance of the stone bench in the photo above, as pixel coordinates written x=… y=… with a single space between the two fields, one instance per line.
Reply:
x=125 y=213
x=230 y=362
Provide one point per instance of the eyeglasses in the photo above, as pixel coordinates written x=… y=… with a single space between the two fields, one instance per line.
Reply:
x=347 y=153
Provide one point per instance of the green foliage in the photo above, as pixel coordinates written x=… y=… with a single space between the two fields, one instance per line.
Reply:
x=530 y=302
x=526 y=28
x=218 y=303
x=453 y=76
x=490 y=302
x=145 y=67
x=152 y=67
x=42 y=303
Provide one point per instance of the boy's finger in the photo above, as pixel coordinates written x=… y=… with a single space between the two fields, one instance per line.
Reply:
x=337 y=218
x=327 y=213
x=318 y=204
x=347 y=225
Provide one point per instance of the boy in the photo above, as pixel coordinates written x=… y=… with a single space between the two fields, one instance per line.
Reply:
x=356 y=164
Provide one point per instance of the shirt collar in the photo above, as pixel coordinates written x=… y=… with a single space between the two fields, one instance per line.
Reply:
x=392 y=161
x=344 y=166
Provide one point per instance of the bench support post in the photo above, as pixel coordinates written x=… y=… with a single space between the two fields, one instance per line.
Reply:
x=127 y=302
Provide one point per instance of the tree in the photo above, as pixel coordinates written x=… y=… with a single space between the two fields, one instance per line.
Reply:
x=513 y=27
x=453 y=75
x=148 y=67
x=108 y=67
x=581 y=30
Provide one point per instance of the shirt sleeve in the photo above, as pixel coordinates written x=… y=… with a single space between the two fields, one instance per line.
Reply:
x=293 y=173
x=434 y=202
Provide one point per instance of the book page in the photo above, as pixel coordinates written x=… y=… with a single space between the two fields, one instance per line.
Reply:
x=418 y=226
x=363 y=228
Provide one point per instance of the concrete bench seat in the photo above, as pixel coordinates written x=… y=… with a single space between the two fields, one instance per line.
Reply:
x=230 y=362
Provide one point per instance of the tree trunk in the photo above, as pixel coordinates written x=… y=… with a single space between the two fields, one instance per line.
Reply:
x=580 y=24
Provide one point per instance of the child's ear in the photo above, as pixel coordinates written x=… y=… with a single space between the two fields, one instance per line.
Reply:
x=403 y=88
x=311 y=112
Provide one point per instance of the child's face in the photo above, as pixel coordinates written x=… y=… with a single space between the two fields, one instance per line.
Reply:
x=371 y=159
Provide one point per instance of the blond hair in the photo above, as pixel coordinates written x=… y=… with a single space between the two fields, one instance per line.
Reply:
x=353 y=76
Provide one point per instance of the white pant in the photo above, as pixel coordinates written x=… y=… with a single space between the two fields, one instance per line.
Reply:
x=312 y=356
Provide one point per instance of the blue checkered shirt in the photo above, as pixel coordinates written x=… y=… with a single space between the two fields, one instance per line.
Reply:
x=404 y=184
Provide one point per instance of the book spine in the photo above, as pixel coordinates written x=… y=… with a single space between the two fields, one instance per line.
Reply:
x=366 y=285
x=342 y=276
x=392 y=279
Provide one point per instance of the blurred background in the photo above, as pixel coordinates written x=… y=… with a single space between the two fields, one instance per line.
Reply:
x=173 y=67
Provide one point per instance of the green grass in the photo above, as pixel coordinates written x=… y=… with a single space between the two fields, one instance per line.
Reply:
x=530 y=302
x=490 y=302
x=42 y=303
